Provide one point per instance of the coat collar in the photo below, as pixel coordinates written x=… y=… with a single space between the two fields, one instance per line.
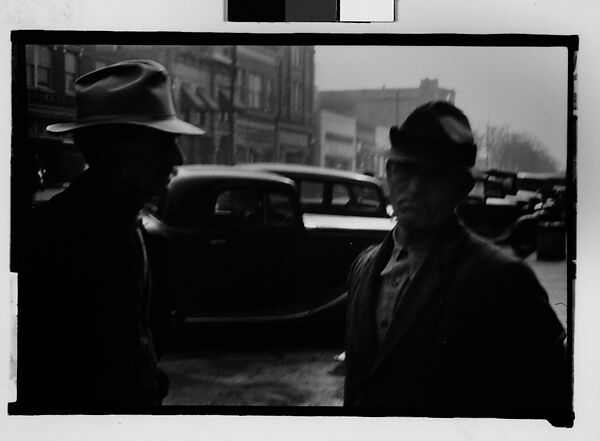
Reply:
x=366 y=300
x=86 y=198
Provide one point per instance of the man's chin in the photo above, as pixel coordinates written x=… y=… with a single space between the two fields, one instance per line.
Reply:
x=415 y=226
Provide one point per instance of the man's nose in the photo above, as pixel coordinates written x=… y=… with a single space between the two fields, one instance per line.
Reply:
x=416 y=184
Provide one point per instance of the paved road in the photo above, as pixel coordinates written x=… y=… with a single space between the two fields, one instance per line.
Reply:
x=553 y=276
x=275 y=377
x=272 y=367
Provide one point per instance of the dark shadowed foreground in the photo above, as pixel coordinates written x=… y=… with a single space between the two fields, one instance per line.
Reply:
x=279 y=366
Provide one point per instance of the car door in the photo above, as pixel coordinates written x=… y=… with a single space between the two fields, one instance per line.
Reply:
x=236 y=233
x=285 y=245
x=213 y=253
x=190 y=272
x=259 y=249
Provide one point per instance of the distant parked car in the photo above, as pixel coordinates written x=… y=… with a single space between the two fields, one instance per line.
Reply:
x=545 y=221
x=508 y=207
x=230 y=245
x=543 y=183
x=491 y=208
x=326 y=192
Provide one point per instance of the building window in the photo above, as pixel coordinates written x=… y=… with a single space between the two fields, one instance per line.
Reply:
x=336 y=137
x=39 y=66
x=269 y=94
x=197 y=117
x=254 y=91
x=296 y=56
x=222 y=84
x=71 y=72
x=297 y=101
x=240 y=91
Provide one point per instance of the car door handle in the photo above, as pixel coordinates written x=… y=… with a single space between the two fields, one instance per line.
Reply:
x=217 y=241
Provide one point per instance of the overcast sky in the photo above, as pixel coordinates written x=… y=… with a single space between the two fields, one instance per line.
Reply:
x=524 y=88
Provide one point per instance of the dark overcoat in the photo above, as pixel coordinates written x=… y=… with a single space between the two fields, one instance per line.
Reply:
x=85 y=302
x=473 y=336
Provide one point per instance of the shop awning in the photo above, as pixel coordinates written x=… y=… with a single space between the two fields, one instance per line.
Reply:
x=199 y=99
x=210 y=102
x=225 y=101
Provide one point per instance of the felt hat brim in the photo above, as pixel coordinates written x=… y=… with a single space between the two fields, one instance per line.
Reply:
x=170 y=125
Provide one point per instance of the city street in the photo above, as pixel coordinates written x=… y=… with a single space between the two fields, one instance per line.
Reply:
x=276 y=367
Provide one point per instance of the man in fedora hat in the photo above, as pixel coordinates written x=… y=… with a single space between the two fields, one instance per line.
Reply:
x=85 y=342
x=440 y=322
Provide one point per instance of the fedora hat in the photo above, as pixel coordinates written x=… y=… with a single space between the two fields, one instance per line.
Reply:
x=136 y=92
x=435 y=133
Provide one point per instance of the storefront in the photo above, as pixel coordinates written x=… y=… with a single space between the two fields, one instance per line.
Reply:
x=294 y=147
x=337 y=141
x=254 y=141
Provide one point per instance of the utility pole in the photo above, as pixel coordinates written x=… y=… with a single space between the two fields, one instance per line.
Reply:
x=231 y=153
x=396 y=105
x=279 y=102
x=487 y=144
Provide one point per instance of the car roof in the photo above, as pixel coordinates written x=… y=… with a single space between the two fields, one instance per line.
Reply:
x=310 y=171
x=541 y=176
x=485 y=172
x=217 y=172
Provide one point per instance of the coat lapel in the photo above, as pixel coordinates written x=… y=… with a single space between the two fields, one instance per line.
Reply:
x=421 y=290
x=368 y=289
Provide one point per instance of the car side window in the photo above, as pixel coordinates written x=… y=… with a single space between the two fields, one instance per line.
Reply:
x=312 y=193
x=366 y=198
x=340 y=195
x=280 y=210
x=239 y=208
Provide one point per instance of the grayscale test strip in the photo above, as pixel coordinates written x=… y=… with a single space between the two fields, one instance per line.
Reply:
x=310 y=11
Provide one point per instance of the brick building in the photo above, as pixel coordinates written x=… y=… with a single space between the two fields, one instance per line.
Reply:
x=296 y=123
x=50 y=72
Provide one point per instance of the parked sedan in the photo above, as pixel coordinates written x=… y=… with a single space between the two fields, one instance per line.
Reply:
x=329 y=192
x=231 y=245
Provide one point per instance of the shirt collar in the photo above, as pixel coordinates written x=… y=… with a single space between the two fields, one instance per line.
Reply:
x=416 y=251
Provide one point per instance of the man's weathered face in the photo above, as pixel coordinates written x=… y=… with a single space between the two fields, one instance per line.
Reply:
x=423 y=196
x=144 y=159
